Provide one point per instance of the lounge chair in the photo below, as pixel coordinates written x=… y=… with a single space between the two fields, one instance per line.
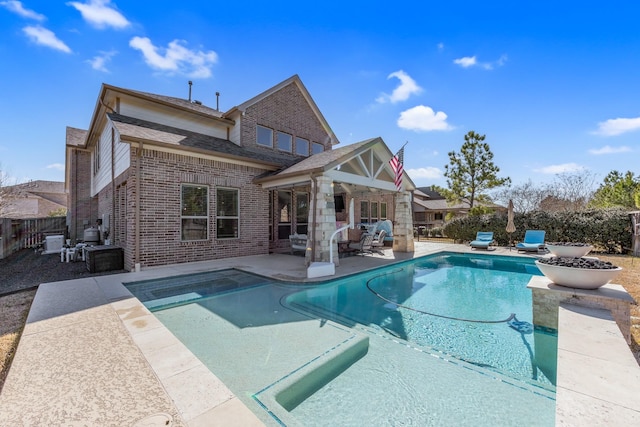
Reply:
x=378 y=242
x=533 y=241
x=483 y=240
x=364 y=245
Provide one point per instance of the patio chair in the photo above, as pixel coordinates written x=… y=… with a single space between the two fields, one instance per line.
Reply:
x=378 y=242
x=298 y=243
x=484 y=239
x=364 y=245
x=533 y=241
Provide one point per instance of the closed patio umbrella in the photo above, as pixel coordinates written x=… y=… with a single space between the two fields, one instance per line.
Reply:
x=511 y=227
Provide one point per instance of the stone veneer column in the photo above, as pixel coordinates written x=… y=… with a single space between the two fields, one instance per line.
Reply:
x=403 y=224
x=325 y=221
x=547 y=297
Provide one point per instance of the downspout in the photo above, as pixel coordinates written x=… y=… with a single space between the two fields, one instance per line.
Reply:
x=136 y=235
x=112 y=220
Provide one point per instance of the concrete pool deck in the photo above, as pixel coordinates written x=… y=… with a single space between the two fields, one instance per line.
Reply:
x=92 y=354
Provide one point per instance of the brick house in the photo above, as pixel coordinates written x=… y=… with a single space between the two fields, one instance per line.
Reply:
x=171 y=180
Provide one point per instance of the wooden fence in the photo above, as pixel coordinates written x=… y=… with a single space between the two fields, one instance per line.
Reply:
x=17 y=234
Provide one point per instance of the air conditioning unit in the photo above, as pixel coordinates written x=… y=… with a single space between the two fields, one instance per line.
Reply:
x=53 y=244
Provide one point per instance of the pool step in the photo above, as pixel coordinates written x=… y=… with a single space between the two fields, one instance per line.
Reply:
x=295 y=388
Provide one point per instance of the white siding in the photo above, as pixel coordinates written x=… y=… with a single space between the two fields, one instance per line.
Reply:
x=172 y=117
x=234 y=132
x=101 y=179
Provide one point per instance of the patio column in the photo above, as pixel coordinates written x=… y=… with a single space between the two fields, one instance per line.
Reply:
x=322 y=218
x=403 y=224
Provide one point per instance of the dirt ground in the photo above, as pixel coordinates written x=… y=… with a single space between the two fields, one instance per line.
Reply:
x=22 y=272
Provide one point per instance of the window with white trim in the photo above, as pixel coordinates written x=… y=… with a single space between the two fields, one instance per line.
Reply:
x=383 y=210
x=316 y=148
x=194 y=212
x=228 y=213
x=364 y=212
x=285 y=142
x=264 y=136
x=302 y=146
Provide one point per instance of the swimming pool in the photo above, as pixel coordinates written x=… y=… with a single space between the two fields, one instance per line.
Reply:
x=413 y=342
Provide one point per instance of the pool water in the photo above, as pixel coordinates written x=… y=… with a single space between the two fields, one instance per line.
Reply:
x=450 y=341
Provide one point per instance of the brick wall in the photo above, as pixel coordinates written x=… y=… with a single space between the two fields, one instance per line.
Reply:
x=162 y=175
x=285 y=110
x=83 y=209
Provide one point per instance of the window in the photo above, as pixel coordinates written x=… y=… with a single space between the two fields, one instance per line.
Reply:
x=302 y=212
x=284 y=142
x=264 y=136
x=364 y=212
x=284 y=214
x=302 y=147
x=438 y=216
x=316 y=148
x=227 y=204
x=374 y=211
x=96 y=157
x=194 y=211
x=383 y=210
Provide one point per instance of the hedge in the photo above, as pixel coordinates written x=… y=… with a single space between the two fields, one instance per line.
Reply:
x=608 y=230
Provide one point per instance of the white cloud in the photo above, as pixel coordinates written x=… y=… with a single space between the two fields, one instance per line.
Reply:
x=430 y=172
x=472 y=61
x=18 y=8
x=44 y=37
x=607 y=149
x=618 y=126
x=440 y=46
x=405 y=89
x=100 y=14
x=562 y=168
x=176 y=58
x=56 y=166
x=99 y=62
x=466 y=62
x=423 y=118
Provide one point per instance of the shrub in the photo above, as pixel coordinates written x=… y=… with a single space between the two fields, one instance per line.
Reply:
x=608 y=230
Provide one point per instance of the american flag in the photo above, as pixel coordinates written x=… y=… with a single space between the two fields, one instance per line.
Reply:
x=396 y=164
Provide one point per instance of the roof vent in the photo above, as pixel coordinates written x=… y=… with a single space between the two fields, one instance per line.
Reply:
x=197 y=102
x=190 y=83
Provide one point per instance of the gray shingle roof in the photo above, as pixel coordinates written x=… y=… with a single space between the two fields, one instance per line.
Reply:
x=155 y=132
x=75 y=137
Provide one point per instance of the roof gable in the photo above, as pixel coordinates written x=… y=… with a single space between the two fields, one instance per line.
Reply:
x=364 y=163
x=293 y=80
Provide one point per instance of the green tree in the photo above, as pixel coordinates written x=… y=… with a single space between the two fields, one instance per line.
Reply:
x=617 y=190
x=471 y=172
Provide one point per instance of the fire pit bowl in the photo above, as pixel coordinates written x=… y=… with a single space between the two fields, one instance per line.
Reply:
x=563 y=249
x=577 y=272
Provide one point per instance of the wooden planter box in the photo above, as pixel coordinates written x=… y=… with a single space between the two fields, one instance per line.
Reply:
x=104 y=258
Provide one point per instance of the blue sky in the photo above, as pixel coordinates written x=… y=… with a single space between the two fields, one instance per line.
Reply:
x=553 y=85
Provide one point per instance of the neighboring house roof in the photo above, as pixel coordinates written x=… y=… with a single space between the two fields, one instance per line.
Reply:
x=132 y=130
x=429 y=192
x=295 y=79
x=35 y=199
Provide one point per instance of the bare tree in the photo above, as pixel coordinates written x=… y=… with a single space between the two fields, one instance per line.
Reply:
x=526 y=197
x=6 y=194
x=570 y=191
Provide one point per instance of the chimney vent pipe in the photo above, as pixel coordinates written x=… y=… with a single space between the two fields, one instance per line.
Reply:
x=190 y=83
x=218 y=101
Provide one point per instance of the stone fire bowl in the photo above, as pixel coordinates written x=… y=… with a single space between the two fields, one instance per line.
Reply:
x=569 y=251
x=581 y=278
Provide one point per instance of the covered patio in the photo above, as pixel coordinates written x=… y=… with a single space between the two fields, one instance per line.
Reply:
x=360 y=172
